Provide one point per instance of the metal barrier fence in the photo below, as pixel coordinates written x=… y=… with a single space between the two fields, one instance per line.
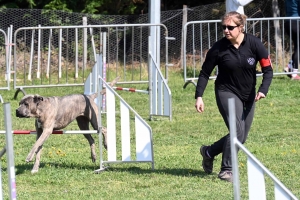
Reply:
x=10 y=155
x=107 y=105
x=142 y=132
x=70 y=52
x=159 y=91
x=160 y=100
x=5 y=58
x=199 y=36
x=256 y=170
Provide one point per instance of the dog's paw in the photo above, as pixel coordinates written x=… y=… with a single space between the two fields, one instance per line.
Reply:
x=33 y=171
x=29 y=158
x=93 y=156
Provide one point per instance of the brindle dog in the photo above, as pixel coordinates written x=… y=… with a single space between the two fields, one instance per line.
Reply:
x=54 y=113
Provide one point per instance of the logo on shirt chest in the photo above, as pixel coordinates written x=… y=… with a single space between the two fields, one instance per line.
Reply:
x=251 y=61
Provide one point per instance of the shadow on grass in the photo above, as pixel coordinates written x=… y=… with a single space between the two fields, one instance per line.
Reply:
x=165 y=171
x=281 y=77
x=23 y=168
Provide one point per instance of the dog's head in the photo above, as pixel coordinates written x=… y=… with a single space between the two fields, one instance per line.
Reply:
x=28 y=106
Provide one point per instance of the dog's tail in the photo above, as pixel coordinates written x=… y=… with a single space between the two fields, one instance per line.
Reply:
x=111 y=84
x=93 y=96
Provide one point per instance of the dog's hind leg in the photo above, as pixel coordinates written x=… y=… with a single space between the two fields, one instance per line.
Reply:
x=94 y=122
x=83 y=124
x=36 y=165
x=104 y=133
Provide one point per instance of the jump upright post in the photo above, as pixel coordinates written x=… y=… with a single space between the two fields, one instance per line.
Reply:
x=160 y=99
x=142 y=132
x=10 y=155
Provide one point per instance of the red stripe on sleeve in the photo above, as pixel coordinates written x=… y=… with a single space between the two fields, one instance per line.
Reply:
x=265 y=62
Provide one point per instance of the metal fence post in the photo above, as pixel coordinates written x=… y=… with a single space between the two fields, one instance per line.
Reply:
x=1 y=194
x=10 y=151
x=234 y=158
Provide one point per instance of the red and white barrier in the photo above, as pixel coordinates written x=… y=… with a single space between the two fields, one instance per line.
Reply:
x=25 y=132
x=131 y=90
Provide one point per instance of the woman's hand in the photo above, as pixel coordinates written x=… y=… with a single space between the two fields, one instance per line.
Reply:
x=199 y=105
x=259 y=96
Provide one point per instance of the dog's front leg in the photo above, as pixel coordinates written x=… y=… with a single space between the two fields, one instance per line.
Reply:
x=46 y=133
x=36 y=165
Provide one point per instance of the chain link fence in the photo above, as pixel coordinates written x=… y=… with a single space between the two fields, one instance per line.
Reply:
x=172 y=19
x=126 y=47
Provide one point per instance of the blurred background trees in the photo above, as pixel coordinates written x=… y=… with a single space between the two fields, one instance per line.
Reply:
x=111 y=7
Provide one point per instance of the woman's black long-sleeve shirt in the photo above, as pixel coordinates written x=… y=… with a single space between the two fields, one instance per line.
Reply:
x=237 y=67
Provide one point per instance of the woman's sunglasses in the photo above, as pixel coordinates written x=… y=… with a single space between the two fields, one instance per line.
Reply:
x=230 y=28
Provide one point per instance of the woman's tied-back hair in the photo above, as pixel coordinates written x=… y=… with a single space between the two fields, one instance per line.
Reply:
x=238 y=18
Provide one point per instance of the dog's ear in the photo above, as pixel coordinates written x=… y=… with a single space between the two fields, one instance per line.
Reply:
x=37 y=99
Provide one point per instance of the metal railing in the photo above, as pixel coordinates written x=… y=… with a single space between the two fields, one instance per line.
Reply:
x=142 y=132
x=69 y=53
x=10 y=155
x=256 y=170
x=199 y=37
x=5 y=58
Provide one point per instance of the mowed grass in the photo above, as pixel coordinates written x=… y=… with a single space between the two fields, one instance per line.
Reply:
x=67 y=172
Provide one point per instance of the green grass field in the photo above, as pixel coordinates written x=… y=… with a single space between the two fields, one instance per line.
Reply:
x=66 y=170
